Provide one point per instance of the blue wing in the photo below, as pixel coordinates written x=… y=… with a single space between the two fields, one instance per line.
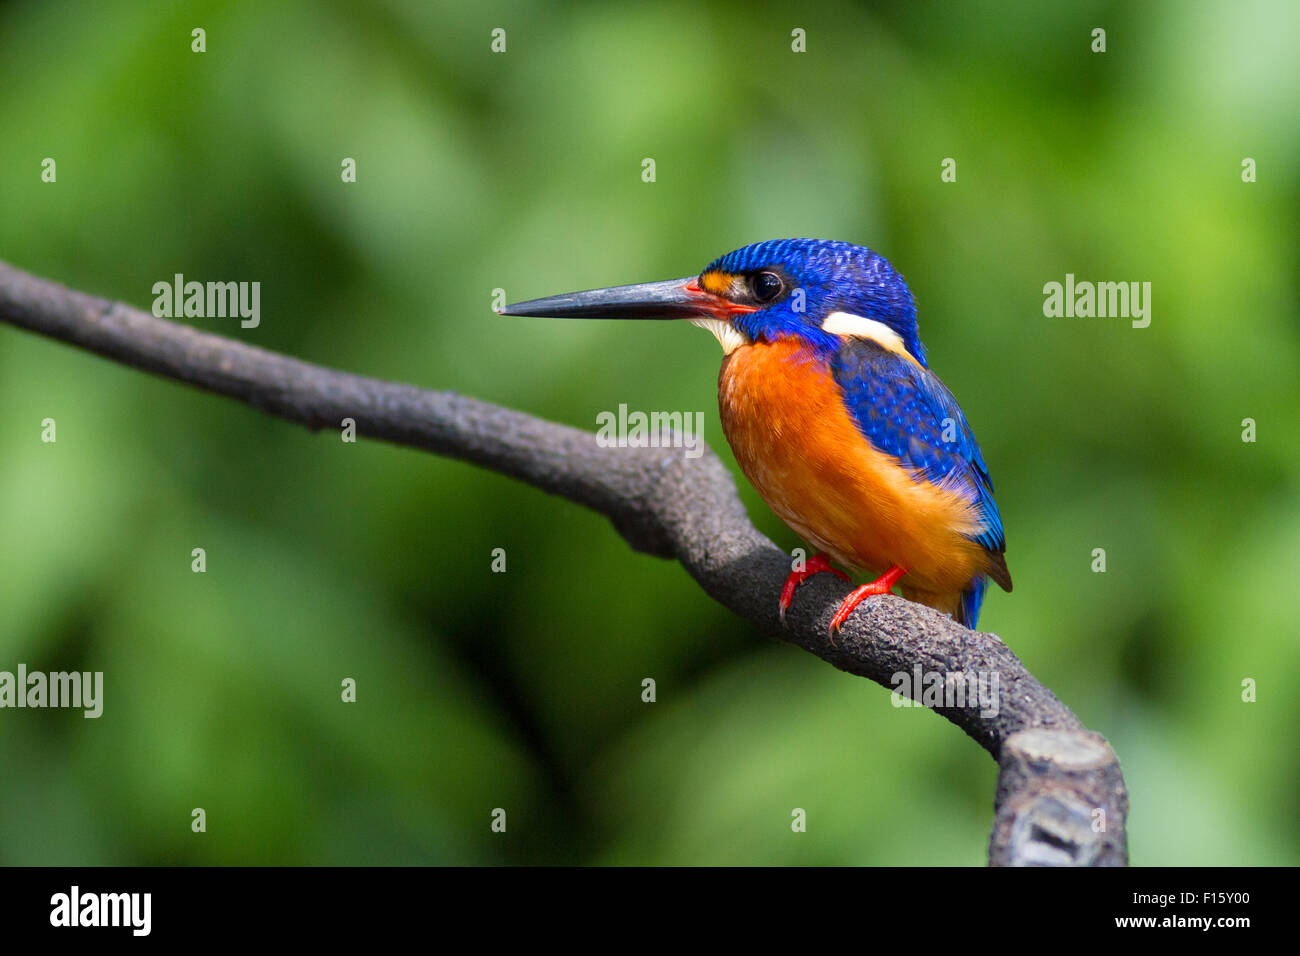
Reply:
x=905 y=411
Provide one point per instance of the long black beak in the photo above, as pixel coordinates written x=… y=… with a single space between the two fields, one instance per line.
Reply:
x=673 y=299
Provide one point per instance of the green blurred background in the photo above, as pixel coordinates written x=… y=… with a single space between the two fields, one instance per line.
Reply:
x=522 y=171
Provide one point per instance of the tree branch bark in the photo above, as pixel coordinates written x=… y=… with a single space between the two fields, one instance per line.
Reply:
x=1060 y=798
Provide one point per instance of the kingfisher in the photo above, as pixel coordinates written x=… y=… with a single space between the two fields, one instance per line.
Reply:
x=835 y=417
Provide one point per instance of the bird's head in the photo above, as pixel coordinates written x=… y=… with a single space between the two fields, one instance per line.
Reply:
x=811 y=289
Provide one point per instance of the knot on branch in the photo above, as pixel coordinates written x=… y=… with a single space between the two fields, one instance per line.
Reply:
x=1061 y=801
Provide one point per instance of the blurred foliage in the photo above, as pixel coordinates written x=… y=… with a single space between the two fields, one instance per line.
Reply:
x=522 y=171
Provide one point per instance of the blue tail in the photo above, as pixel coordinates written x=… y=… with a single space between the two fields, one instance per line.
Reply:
x=971 y=599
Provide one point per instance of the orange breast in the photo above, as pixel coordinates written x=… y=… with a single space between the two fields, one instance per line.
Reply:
x=793 y=437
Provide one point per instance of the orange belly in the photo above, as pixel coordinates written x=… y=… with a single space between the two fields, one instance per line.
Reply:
x=793 y=438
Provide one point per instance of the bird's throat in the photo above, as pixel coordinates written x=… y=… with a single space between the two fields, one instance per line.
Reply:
x=728 y=336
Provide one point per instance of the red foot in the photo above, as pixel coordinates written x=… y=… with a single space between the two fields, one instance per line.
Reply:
x=814 y=565
x=881 y=585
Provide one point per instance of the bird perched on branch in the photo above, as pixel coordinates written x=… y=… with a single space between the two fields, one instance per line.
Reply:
x=834 y=416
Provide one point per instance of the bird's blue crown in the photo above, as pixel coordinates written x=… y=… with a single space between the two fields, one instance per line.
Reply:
x=832 y=276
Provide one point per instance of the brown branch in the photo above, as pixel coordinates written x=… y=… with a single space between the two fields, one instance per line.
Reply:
x=1060 y=798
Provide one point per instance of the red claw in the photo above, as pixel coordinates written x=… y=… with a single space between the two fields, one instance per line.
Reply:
x=814 y=565
x=881 y=585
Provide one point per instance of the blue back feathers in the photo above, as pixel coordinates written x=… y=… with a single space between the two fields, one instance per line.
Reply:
x=907 y=412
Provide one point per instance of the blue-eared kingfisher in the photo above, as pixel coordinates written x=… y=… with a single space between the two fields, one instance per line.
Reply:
x=834 y=416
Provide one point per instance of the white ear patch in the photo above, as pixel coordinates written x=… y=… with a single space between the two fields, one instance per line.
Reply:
x=728 y=336
x=846 y=323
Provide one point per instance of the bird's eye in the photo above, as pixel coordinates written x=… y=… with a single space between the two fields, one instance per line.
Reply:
x=766 y=286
